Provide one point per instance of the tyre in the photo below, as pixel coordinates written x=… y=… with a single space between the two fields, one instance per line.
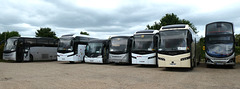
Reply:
x=199 y=59
x=72 y=62
x=31 y=58
x=83 y=59
x=157 y=62
x=208 y=66
x=231 y=66
x=192 y=64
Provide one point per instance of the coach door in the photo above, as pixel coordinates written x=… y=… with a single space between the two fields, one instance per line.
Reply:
x=19 y=50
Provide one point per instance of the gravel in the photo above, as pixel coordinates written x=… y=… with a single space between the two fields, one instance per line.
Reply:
x=62 y=75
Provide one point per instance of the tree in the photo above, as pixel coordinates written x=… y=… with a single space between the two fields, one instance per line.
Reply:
x=170 y=19
x=45 y=32
x=4 y=36
x=237 y=39
x=84 y=33
x=1 y=51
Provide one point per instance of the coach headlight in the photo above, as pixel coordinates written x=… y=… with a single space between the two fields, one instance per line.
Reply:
x=182 y=59
x=134 y=57
x=231 y=60
x=151 y=57
x=70 y=55
x=111 y=49
x=159 y=58
x=12 y=49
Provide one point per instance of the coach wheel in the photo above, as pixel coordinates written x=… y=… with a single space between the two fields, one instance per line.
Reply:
x=72 y=62
x=83 y=59
x=208 y=65
x=232 y=66
x=191 y=64
x=199 y=59
x=31 y=58
x=194 y=63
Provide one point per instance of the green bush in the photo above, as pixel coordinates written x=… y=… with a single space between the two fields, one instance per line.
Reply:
x=202 y=54
x=237 y=50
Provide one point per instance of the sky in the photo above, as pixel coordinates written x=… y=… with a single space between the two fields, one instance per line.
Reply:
x=104 y=18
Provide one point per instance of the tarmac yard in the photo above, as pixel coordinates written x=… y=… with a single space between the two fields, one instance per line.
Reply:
x=62 y=75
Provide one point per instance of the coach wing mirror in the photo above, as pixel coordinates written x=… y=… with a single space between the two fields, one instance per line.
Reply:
x=72 y=43
x=15 y=42
x=26 y=50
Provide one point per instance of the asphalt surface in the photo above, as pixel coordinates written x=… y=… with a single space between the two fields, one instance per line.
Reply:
x=62 y=75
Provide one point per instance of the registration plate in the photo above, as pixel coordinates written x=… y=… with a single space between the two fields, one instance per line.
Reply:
x=172 y=63
x=219 y=63
x=63 y=58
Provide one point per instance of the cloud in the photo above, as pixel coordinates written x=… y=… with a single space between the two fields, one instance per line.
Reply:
x=107 y=17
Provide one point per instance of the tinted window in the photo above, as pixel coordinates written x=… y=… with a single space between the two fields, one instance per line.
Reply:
x=65 y=44
x=220 y=49
x=30 y=41
x=42 y=41
x=223 y=38
x=219 y=28
x=9 y=45
x=118 y=44
x=143 y=42
x=173 y=40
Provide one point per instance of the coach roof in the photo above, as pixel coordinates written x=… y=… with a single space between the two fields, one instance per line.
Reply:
x=147 y=32
x=175 y=26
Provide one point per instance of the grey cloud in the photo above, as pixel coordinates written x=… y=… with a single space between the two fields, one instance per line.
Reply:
x=123 y=16
x=125 y=19
x=106 y=29
x=230 y=14
x=23 y=31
